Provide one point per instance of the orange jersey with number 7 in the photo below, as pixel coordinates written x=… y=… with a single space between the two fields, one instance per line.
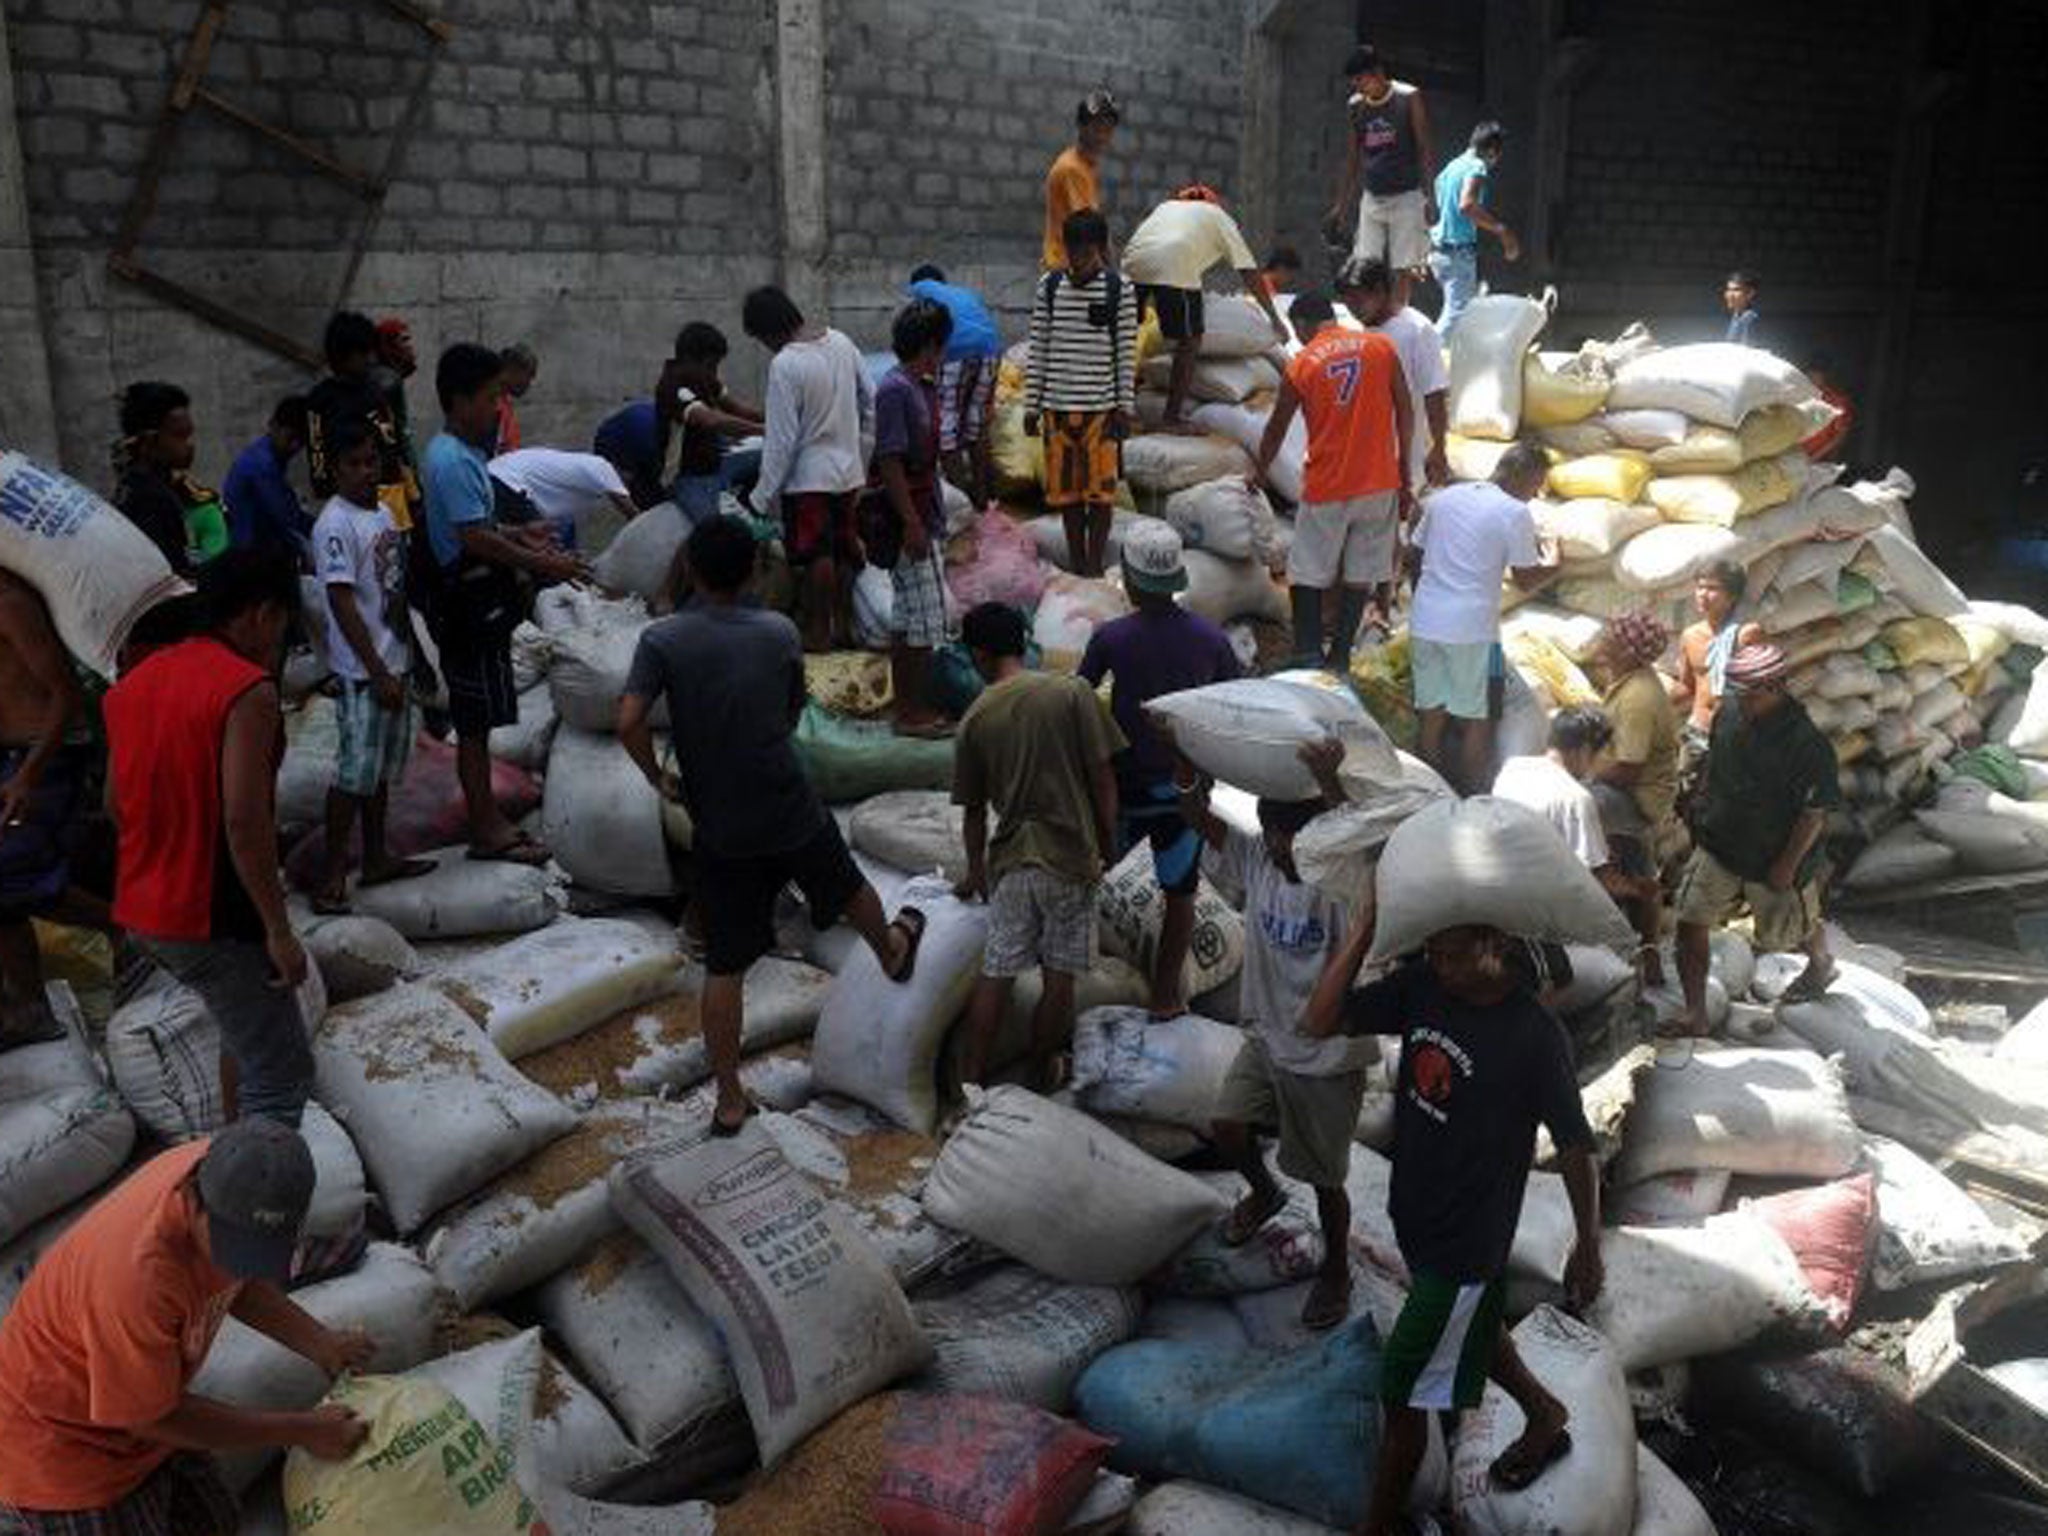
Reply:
x=1346 y=383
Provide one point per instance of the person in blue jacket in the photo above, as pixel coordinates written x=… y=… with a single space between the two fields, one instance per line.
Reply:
x=967 y=380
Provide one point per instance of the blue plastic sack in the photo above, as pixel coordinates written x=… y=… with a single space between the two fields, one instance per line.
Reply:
x=1298 y=1429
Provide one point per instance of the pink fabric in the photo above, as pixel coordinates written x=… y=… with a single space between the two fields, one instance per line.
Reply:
x=994 y=562
x=1830 y=1229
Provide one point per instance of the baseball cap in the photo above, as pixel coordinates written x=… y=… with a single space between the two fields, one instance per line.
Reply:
x=256 y=1182
x=1152 y=558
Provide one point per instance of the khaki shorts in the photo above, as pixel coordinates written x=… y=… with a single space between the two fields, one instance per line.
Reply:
x=1785 y=920
x=1355 y=540
x=1315 y=1116
x=1393 y=229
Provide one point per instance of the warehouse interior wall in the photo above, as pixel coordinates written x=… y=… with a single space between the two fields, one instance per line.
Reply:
x=585 y=175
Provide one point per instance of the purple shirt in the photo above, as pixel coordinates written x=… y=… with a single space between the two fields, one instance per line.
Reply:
x=1150 y=654
x=906 y=410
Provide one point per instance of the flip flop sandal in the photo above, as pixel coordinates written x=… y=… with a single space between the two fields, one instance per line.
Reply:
x=910 y=922
x=1326 y=1307
x=1517 y=1475
x=723 y=1129
x=1237 y=1231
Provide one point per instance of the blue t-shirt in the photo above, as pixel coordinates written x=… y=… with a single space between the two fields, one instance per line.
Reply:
x=974 y=329
x=1742 y=328
x=264 y=512
x=631 y=435
x=1453 y=229
x=457 y=480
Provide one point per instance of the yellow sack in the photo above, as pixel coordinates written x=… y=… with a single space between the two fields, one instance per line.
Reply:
x=1926 y=639
x=1724 y=500
x=1618 y=476
x=1009 y=382
x=425 y=1465
x=1150 y=341
x=849 y=682
x=1016 y=460
x=1541 y=662
x=1386 y=686
x=1472 y=458
x=1552 y=397
x=1850 y=747
x=1987 y=642
x=1704 y=450
x=1772 y=429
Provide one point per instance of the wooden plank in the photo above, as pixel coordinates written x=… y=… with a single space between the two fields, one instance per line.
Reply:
x=173 y=292
x=394 y=152
x=165 y=135
x=362 y=182
x=425 y=20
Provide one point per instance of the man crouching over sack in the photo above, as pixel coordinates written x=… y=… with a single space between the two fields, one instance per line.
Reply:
x=100 y=1432
x=1482 y=1065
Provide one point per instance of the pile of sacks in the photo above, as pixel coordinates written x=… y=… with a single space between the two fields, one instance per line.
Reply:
x=1666 y=460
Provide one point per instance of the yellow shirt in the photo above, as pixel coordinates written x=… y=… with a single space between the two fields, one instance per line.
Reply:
x=1070 y=186
x=1646 y=732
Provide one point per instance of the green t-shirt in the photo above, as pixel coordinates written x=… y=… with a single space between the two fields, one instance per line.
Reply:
x=206 y=528
x=1026 y=750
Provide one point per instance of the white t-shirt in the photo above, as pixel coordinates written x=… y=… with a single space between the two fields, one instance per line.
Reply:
x=1422 y=360
x=1180 y=241
x=1470 y=536
x=562 y=486
x=1292 y=929
x=1546 y=787
x=362 y=549
x=820 y=412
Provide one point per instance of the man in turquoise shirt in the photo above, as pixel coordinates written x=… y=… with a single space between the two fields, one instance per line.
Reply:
x=1461 y=190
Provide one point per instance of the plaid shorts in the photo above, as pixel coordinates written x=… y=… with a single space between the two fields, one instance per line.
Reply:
x=918 y=615
x=1036 y=917
x=477 y=670
x=967 y=387
x=183 y=1497
x=375 y=741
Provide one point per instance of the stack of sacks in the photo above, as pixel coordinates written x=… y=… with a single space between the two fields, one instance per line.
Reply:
x=1229 y=397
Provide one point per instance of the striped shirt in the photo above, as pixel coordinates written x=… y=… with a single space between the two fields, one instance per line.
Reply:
x=1075 y=351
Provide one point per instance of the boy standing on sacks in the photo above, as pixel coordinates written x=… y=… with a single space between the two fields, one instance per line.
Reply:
x=1482 y=1065
x=1361 y=422
x=1307 y=1089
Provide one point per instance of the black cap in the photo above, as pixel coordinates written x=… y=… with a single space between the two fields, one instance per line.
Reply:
x=256 y=1182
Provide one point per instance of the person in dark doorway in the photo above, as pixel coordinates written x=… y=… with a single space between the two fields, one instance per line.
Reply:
x=194 y=739
x=357 y=388
x=470 y=579
x=1307 y=1090
x=1462 y=190
x=1080 y=385
x=360 y=560
x=910 y=514
x=1349 y=386
x=733 y=676
x=1167 y=257
x=967 y=381
x=1157 y=649
x=1037 y=748
x=1386 y=169
x=264 y=511
x=43 y=776
x=1771 y=782
x=522 y=368
x=1468 y=538
x=1483 y=1064
x=1738 y=297
x=153 y=479
x=1281 y=270
x=691 y=396
x=1072 y=184
x=101 y=1433
x=820 y=426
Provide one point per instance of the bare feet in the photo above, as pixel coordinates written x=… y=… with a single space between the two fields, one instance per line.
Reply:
x=1329 y=1300
x=1542 y=1445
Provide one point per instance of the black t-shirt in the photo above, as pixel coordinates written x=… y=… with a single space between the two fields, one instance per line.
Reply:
x=1475 y=1083
x=151 y=501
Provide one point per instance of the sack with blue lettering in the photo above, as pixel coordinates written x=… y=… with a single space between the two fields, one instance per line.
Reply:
x=1298 y=1429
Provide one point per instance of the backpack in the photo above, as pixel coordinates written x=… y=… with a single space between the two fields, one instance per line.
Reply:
x=1112 y=290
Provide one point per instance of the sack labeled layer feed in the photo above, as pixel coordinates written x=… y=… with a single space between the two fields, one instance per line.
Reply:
x=1018 y=1158
x=811 y=1317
